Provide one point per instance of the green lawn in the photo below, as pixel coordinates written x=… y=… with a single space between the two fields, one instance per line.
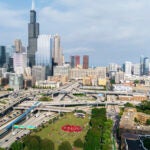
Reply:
x=57 y=135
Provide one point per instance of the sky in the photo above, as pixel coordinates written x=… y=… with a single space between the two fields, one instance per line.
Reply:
x=109 y=31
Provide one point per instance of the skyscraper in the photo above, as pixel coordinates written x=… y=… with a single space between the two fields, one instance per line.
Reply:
x=20 y=62
x=146 y=66
x=18 y=45
x=136 y=69
x=44 y=52
x=72 y=61
x=2 y=55
x=128 y=68
x=77 y=61
x=85 y=62
x=141 y=65
x=57 y=51
x=33 y=32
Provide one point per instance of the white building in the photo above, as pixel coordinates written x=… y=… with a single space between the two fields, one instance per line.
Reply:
x=38 y=73
x=136 y=69
x=15 y=81
x=119 y=77
x=112 y=67
x=128 y=68
x=2 y=71
x=121 y=88
x=62 y=70
x=77 y=73
x=20 y=62
x=44 y=52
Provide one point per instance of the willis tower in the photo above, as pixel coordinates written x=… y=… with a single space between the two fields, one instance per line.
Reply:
x=33 y=32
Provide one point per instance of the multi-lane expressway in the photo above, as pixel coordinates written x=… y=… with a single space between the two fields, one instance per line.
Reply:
x=18 y=133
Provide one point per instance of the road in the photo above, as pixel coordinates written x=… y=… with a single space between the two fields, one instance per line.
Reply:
x=34 y=121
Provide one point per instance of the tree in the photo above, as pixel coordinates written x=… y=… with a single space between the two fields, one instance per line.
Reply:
x=78 y=143
x=136 y=81
x=148 y=122
x=16 y=146
x=47 y=145
x=65 y=146
x=128 y=105
x=32 y=142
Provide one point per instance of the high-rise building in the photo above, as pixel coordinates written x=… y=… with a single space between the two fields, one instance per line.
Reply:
x=20 y=62
x=141 y=65
x=72 y=61
x=146 y=66
x=44 y=52
x=136 y=69
x=57 y=51
x=113 y=67
x=77 y=61
x=18 y=45
x=2 y=71
x=38 y=73
x=119 y=76
x=15 y=81
x=33 y=32
x=62 y=70
x=85 y=62
x=2 y=56
x=128 y=68
x=99 y=72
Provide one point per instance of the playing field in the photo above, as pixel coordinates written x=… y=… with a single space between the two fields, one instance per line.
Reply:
x=57 y=135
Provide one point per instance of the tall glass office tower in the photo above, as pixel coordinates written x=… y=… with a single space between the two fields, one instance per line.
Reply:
x=2 y=55
x=146 y=66
x=33 y=32
x=44 y=52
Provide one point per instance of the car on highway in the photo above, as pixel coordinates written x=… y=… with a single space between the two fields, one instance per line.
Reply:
x=6 y=140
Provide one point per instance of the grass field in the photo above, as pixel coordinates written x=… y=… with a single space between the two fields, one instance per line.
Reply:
x=57 y=135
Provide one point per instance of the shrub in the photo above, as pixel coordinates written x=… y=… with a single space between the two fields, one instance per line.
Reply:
x=78 y=143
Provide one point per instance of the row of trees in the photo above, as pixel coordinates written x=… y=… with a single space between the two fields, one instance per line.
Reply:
x=99 y=134
x=36 y=143
x=33 y=143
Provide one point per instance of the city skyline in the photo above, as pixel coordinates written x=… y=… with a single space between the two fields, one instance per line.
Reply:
x=101 y=31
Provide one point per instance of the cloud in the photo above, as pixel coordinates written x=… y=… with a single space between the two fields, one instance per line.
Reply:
x=100 y=24
x=13 y=24
x=108 y=30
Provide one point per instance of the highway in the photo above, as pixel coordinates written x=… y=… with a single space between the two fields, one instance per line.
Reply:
x=34 y=121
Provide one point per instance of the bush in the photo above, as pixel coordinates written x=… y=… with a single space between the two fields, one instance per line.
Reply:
x=78 y=143
x=148 y=122
x=16 y=146
x=47 y=145
x=65 y=146
x=128 y=105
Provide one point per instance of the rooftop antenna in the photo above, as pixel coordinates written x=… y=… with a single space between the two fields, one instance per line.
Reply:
x=33 y=5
